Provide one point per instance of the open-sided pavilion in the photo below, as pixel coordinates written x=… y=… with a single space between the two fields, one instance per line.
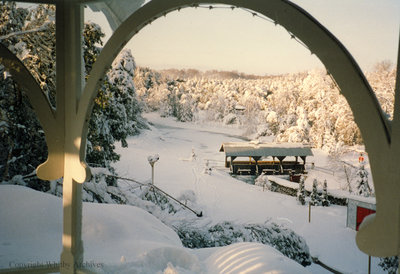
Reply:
x=66 y=126
x=257 y=155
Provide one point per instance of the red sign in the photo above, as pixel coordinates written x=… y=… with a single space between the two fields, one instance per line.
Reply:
x=362 y=213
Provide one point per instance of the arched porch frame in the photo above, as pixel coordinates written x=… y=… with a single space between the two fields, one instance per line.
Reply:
x=66 y=127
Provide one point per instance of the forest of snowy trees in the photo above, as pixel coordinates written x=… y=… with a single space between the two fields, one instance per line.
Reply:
x=303 y=107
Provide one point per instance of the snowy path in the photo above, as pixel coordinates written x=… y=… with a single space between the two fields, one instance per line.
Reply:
x=223 y=198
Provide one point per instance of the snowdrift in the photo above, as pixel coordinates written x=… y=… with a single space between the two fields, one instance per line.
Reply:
x=117 y=238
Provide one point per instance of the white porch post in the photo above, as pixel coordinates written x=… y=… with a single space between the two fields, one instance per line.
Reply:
x=69 y=24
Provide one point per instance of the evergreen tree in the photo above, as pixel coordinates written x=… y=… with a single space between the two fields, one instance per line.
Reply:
x=363 y=187
x=22 y=142
x=116 y=114
x=301 y=192
x=315 y=198
x=324 y=198
x=390 y=264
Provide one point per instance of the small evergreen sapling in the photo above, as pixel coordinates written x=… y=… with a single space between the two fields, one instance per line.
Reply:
x=207 y=168
x=315 y=198
x=301 y=192
x=324 y=198
x=363 y=187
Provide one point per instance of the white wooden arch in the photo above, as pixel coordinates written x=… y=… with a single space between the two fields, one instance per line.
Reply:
x=381 y=136
x=66 y=127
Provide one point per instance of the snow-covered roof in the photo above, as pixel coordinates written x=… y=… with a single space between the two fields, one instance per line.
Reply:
x=265 y=149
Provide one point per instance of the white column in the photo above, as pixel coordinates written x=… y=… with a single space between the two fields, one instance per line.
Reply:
x=69 y=24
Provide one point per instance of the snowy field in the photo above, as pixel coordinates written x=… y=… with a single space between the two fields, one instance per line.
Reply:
x=125 y=239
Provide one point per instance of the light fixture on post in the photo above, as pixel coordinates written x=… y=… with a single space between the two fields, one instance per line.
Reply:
x=152 y=160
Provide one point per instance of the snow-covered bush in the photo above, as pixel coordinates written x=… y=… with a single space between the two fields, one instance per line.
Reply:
x=207 y=168
x=187 y=196
x=363 y=187
x=263 y=181
x=315 y=199
x=301 y=192
x=390 y=264
x=159 y=199
x=324 y=196
x=283 y=239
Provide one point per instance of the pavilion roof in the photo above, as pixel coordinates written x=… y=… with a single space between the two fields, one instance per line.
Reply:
x=244 y=149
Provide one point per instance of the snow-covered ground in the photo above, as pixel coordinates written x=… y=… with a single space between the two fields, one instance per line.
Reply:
x=125 y=239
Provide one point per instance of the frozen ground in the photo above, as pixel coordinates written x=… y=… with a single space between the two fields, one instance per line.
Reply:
x=125 y=239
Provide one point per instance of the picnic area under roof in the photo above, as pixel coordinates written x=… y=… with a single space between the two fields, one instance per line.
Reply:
x=244 y=149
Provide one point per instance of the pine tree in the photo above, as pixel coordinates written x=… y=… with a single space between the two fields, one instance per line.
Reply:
x=363 y=187
x=315 y=198
x=22 y=142
x=390 y=264
x=301 y=192
x=324 y=198
x=116 y=114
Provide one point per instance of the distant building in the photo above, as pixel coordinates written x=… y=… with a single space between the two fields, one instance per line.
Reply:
x=269 y=158
x=240 y=108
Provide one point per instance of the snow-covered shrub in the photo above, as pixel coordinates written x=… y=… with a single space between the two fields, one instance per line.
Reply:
x=263 y=181
x=162 y=201
x=283 y=239
x=324 y=196
x=18 y=180
x=273 y=122
x=315 y=199
x=230 y=119
x=187 y=196
x=207 y=168
x=390 y=264
x=301 y=192
x=56 y=188
x=363 y=187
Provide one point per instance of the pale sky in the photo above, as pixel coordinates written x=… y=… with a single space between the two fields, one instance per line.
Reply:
x=235 y=40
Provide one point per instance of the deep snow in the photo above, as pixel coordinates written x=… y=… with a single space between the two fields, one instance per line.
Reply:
x=126 y=239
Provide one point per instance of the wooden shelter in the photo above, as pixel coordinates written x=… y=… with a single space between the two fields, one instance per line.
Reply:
x=252 y=158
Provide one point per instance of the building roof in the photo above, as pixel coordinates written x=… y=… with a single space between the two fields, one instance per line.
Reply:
x=247 y=149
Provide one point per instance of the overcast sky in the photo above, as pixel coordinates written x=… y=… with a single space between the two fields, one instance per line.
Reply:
x=235 y=40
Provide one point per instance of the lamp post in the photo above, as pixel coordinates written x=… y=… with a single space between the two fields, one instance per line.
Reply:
x=152 y=160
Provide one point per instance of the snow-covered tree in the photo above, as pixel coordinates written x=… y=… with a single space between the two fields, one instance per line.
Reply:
x=263 y=181
x=382 y=79
x=301 y=192
x=390 y=264
x=301 y=107
x=314 y=197
x=324 y=196
x=273 y=122
x=22 y=143
x=116 y=113
x=363 y=187
x=30 y=34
